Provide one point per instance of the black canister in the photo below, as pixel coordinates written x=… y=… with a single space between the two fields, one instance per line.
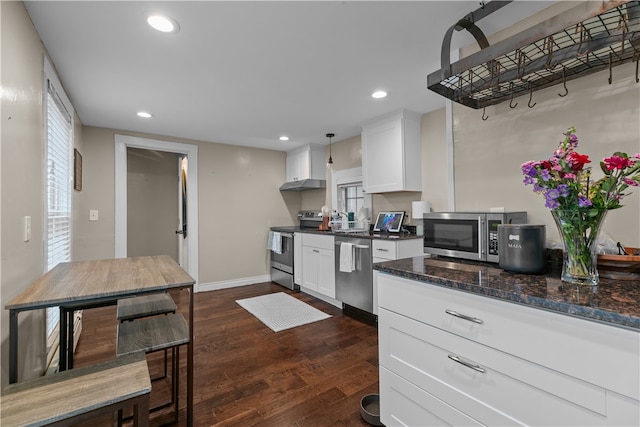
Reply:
x=521 y=247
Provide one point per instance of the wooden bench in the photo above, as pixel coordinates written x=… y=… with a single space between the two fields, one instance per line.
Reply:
x=79 y=395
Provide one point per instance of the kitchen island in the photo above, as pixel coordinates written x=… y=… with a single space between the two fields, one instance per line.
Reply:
x=466 y=343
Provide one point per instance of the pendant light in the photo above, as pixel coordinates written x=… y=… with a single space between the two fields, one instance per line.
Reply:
x=330 y=161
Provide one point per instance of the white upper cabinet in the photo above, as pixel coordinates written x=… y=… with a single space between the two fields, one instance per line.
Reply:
x=306 y=162
x=392 y=153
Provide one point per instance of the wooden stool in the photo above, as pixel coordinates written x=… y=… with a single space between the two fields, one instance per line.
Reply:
x=145 y=306
x=152 y=334
x=79 y=395
x=129 y=309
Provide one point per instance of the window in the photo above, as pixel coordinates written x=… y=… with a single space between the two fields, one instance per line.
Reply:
x=58 y=176
x=348 y=194
x=350 y=197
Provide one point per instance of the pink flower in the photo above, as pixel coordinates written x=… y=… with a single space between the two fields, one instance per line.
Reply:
x=631 y=182
x=569 y=176
x=617 y=162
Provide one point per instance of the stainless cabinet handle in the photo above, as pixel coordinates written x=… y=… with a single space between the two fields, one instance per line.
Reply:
x=316 y=251
x=480 y=237
x=466 y=363
x=382 y=250
x=464 y=316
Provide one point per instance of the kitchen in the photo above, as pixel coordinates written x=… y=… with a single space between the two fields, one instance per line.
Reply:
x=605 y=116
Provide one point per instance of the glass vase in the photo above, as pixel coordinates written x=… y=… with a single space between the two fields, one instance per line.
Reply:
x=579 y=230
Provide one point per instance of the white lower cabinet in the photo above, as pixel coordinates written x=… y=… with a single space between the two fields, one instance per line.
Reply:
x=318 y=264
x=390 y=250
x=440 y=369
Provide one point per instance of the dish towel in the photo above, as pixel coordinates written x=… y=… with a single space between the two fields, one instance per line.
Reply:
x=274 y=242
x=346 y=257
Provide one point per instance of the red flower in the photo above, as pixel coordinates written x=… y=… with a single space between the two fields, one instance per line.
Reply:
x=577 y=161
x=617 y=162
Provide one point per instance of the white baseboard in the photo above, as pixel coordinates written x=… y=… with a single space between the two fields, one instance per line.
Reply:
x=224 y=284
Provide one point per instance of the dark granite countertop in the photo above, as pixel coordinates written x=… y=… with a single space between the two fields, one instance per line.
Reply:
x=365 y=234
x=614 y=302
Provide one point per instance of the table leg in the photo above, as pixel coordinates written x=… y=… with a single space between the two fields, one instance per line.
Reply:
x=70 y=341
x=62 y=353
x=13 y=346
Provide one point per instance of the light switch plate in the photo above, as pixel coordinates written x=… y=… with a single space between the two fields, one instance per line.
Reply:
x=93 y=215
x=27 y=228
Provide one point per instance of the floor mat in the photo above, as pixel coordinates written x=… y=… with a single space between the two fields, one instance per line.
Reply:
x=281 y=311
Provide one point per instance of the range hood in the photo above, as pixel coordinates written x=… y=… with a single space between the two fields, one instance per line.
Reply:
x=305 y=168
x=304 y=184
x=590 y=37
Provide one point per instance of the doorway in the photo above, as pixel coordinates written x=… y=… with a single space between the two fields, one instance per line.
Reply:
x=187 y=206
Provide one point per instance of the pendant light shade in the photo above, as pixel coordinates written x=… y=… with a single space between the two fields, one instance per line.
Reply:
x=330 y=135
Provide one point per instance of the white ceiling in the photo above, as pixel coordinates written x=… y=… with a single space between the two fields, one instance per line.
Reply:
x=244 y=73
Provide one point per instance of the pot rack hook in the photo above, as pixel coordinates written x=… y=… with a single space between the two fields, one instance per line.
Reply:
x=636 y=59
x=511 y=104
x=549 y=45
x=610 y=79
x=586 y=40
x=529 y=104
x=484 y=116
x=564 y=84
x=522 y=63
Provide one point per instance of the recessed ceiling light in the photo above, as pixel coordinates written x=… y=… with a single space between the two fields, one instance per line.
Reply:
x=163 y=23
x=144 y=114
x=284 y=138
x=379 y=94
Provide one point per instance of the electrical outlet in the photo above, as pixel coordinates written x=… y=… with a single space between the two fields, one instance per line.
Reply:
x=93 y=215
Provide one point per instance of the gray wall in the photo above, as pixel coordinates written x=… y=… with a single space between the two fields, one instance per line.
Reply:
x=22 y=130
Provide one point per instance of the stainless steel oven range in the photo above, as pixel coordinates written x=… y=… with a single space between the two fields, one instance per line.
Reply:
x=282 y=241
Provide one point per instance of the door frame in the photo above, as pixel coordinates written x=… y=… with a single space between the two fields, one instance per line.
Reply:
x=122 y=142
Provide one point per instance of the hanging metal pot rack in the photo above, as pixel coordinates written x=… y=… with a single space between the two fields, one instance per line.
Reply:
x=590 y=37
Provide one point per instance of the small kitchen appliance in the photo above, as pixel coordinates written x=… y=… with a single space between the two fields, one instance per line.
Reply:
x=467 y=235
x=522 y=247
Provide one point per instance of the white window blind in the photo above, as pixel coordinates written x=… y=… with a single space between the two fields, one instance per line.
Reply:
x=59 y=178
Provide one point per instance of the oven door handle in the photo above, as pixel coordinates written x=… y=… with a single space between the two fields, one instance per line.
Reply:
x=283 y=234
x=480 y=237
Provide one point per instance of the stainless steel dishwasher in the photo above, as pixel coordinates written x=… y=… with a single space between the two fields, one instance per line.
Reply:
x=355 y=287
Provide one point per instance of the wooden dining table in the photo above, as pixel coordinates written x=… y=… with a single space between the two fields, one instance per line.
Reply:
x=88 y=284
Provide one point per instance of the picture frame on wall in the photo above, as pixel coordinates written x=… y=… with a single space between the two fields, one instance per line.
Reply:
x=77 y=170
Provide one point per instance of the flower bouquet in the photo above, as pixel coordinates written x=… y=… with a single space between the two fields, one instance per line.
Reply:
x=577 y=204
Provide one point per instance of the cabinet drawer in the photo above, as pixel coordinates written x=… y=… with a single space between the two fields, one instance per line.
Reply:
x=317 y=241
x=490 y=379
x=597 y=353
x=407 y=405
x=384 y=249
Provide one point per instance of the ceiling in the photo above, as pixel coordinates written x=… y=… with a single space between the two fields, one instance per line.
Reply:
x=244 y=73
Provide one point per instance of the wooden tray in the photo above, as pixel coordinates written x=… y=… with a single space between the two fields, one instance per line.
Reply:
x=620 y=267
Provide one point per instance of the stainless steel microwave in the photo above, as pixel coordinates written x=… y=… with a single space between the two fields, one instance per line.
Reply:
x=467 y=235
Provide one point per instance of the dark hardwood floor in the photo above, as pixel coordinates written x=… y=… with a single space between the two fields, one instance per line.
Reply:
x=247 y=375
